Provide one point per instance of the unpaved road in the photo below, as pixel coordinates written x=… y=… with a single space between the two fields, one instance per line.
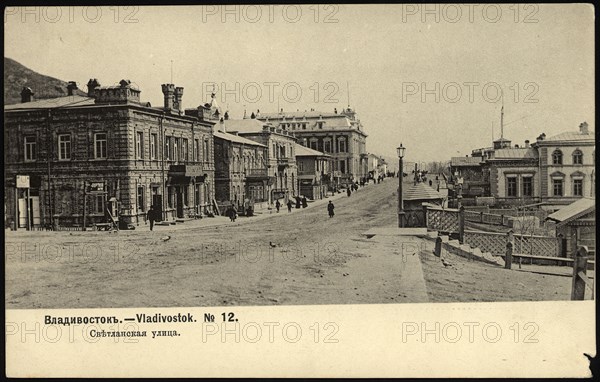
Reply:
x=316 y=260
x=313 y=260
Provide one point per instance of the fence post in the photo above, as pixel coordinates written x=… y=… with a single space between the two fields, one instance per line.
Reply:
x=481 y=217
x=438 y=247
x=461 y=224
x=508 y=258
x=562 y=245
x=579 y=265
x=502 y=219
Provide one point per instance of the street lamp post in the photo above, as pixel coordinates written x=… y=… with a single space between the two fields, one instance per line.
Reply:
x=400 y=150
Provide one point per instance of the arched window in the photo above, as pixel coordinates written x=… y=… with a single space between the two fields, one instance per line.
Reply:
x=557 y=157
x=577 y=157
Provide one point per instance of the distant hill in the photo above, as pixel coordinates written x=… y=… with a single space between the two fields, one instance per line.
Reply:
x=17 y=76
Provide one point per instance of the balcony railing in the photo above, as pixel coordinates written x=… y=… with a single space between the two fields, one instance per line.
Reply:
x=257 y=173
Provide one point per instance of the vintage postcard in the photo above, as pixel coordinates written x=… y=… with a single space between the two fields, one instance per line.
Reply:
x=325 y=190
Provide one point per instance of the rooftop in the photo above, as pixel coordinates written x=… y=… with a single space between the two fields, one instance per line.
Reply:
x=515 y=153
x=421 y=191
x=465 y=161
x=573 y=211
x=236 y=139
x=302 y=151
x=571 y=136
x=244 y=125
x=48 y=103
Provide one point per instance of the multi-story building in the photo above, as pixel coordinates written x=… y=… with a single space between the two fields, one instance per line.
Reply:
x=513 y=175
x=106 y=155
x=567 y=163
x=552 y=171
x=241 y=176
x=281 y=157
x=314 y=172
x=340 y=135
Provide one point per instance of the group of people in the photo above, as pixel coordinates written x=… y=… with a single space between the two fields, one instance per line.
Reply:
x=300 y=202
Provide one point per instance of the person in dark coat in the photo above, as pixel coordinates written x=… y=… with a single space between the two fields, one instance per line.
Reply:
x=304 y=202
x=289 y=205
x=348 y=191
x=231 y=212
x=277 y=205
x=151 y=216
x=330 y=208
x=297 y=201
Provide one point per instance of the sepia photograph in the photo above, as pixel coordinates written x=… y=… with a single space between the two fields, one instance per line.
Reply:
x=170 y=169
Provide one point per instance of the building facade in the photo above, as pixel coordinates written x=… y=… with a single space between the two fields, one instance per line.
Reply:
x=281 y=167
x=314 y=172
x=553 y=171
x=340 y=135
x=513 y=175
x=241 y=176
x=106 y=156
x=567 y=163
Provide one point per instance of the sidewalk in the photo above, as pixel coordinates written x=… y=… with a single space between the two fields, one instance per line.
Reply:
x=216 y=221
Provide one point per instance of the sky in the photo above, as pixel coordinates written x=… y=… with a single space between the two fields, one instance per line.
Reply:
x=433 y=78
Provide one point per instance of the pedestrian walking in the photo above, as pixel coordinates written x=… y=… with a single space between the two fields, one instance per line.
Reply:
x=151 y=216
x=289 y=205
x=348 y=191
x=277 y=205
x=304 y=202
x=330 y=208
x=231 y=212
x=297 y=201
x=430 y=183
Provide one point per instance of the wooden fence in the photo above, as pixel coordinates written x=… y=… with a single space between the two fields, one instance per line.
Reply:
x=580 y=278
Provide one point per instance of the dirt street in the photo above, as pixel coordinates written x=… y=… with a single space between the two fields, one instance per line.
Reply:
x=297 y=258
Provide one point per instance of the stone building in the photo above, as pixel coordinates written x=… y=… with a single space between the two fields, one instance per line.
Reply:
x=314 y=172
x=513 y=175
x=553 y=171
x=107 y=154
x=567 y=164
x=241 y=174
x=281 y=155
x=340 y=135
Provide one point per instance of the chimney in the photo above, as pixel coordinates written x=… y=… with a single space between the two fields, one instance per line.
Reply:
x=527 y=143
x=26 y=95
x=177 y=99
x=71 y=86
x=583 y=128
x=92 y=85
x=169 y=93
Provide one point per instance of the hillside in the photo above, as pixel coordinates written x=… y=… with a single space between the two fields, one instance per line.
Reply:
x=16 y=76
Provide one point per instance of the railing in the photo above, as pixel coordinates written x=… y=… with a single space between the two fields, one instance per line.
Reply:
x=445 y=220
x=495 y=243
